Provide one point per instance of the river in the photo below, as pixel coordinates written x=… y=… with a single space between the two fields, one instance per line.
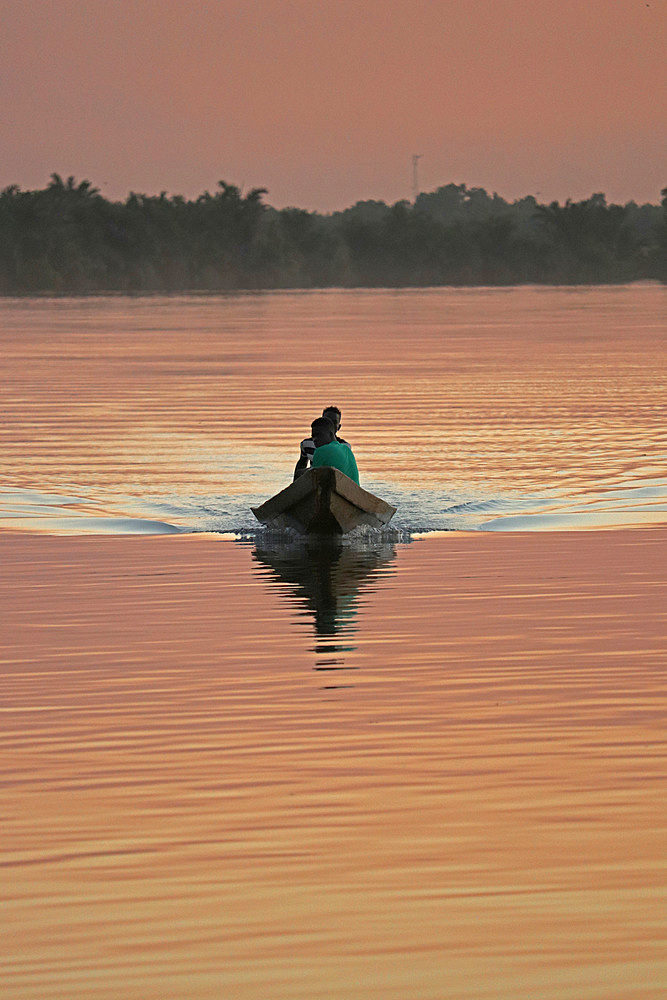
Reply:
x=426 y=764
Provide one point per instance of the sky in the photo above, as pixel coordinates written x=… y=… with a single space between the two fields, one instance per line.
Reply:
x=325 y=102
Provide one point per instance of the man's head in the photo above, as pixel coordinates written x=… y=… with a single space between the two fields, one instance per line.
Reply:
x=332 y=413
x=323 y=431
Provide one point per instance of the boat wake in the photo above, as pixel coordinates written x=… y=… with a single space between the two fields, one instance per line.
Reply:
x=420 y=512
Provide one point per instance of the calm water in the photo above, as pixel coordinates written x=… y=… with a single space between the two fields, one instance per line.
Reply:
x=429 y=764
x=529 y=408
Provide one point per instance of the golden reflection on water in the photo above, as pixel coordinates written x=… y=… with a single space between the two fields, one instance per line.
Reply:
x=186 y=812
x=432 y=770
x=494 y=391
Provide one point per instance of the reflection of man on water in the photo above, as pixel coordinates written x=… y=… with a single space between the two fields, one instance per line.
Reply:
x=330 y=452
x=333 y=414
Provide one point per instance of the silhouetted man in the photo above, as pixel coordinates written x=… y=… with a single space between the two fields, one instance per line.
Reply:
x=333 y=414
x=330 y=452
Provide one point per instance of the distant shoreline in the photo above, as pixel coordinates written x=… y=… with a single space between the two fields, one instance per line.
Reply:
x=233 y=292
x=67 y=239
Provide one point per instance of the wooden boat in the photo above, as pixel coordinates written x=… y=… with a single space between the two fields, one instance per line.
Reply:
x=324 y=501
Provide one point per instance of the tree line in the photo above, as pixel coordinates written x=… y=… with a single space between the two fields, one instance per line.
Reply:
x=68 y=239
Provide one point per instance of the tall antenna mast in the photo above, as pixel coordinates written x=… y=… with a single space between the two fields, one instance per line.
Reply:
x=416 y=157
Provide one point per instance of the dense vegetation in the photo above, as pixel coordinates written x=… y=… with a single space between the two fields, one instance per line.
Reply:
x=68 y=239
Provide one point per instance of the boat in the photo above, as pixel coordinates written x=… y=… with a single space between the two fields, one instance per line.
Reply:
x=324 y=502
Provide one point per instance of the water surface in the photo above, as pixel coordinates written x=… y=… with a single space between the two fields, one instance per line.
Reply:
x=465 y=407
x=428 y=763
x=433 y=773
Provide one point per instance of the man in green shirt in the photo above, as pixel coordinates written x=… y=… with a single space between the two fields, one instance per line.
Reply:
x=329 y=452
x=333 y=414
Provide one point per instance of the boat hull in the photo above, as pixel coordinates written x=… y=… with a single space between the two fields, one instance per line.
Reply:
x=324 y=502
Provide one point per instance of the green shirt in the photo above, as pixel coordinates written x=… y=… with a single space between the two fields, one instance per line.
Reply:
x=338 y=456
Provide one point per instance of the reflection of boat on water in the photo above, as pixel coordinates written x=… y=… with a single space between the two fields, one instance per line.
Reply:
x=324 y=501
x=325 y=577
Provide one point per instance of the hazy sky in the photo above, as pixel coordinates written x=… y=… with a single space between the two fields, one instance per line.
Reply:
x=325 y=101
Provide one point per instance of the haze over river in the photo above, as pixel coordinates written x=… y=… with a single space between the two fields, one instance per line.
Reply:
x=428 y=763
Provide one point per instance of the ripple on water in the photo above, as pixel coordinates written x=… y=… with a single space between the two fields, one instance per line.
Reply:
x=236 y=772
x=418 y=512
x=463 y=406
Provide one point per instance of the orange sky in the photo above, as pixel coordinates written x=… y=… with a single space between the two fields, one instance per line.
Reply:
x=324 y=103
